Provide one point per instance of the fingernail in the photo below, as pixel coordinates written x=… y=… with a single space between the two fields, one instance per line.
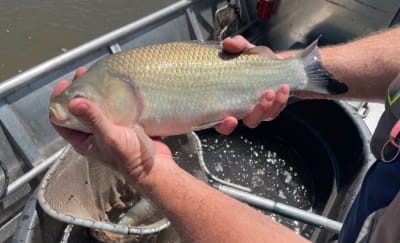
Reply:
x=269 y=96
x=284 y=90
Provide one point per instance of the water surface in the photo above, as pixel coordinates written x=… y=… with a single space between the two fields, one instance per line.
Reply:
x=32 y=31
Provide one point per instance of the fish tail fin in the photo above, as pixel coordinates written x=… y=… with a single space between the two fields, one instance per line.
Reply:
x=319 y=79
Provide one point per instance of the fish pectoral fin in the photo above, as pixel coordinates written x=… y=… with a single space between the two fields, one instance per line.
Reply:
x=146 y=144
x=205 y=126
x=260 y=50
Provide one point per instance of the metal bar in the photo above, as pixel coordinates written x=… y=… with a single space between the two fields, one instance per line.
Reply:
x=3 y=190
x=26 y=228
x=37 y=170
x=24 y=78
x=198 y=34
x=18 y=137
x=282 y=209
x=7 y=230
x=195 y=140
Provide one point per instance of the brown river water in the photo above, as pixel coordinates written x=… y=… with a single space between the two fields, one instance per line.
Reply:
x=32 y=31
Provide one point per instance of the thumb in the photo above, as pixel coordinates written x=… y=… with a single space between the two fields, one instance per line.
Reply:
x=89 y=115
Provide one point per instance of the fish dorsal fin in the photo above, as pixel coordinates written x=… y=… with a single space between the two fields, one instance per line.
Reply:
x=313 y=47
x=260 y=50
x=214 y=44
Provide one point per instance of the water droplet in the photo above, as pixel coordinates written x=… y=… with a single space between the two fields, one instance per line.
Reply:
x=282 y=195
x=288 y=176
x=256 y=181
x=218 y=167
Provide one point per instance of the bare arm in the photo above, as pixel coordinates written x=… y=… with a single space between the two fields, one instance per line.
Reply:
x=366 y=65
x=203 y=214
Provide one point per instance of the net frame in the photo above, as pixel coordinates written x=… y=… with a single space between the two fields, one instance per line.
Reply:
x=66 y=161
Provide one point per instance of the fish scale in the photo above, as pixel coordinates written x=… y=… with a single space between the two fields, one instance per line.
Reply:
x=174 y=88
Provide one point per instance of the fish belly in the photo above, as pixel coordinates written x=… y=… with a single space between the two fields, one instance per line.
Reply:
x=167 y=115
x=173 y=109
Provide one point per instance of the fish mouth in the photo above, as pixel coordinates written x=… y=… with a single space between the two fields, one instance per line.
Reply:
x=60 y=117
x=57 y=115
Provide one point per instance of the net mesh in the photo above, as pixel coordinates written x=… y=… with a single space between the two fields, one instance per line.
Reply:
x=90 y=194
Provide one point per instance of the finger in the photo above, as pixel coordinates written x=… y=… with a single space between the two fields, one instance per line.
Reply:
x=236 y=44
x=90 y=116
x=281 y=98
x=79 y=71
x=227 y=126
x=61 y=85
x=255 y=117
x=161 y=149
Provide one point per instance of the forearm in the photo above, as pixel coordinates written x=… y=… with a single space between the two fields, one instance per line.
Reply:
x=203 y=214
x=366 y=65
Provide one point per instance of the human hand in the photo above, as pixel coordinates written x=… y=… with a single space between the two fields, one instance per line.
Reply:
x=128 y=150
x=270 y=104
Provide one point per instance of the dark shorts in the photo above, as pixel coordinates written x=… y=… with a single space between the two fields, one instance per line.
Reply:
x=380 y=186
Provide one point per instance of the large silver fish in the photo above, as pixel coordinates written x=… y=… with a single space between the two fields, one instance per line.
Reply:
x=178 y=87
